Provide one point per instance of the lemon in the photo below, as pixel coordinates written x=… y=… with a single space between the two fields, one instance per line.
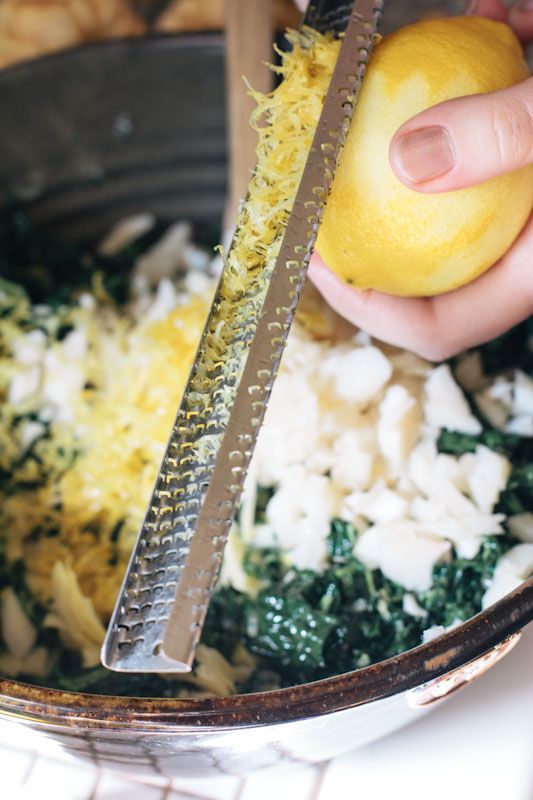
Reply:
x=376 y=233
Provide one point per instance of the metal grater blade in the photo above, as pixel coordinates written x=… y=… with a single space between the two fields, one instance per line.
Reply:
x=162 y=605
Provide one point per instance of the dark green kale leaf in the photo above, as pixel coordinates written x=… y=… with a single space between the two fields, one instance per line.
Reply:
x=459 y=584
x=51 y=268
x=263 y=563
x=224 y=625
x=71 y=676
x=264 y=494
x=288 y=630
x=517 y=497
x=341 y=541
x=457 y=443
x=518 y=449
x=512 y=349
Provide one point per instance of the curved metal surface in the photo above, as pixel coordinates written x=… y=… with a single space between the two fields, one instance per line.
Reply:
x=113 y=128
x=439 y=689
x=414 y=668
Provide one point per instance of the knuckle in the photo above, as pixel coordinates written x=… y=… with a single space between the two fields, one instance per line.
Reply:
x=432 y=337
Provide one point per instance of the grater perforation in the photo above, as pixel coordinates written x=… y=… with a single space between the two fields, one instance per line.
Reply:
x=165 y=595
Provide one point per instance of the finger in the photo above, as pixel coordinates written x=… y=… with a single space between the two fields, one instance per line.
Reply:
x=465 y=141
x=520 y=18
x=439 y=327
x=410 y=323
x=493 y=9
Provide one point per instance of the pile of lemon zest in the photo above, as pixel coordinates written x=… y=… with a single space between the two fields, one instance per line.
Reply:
x=285 y=121
x=96 y=473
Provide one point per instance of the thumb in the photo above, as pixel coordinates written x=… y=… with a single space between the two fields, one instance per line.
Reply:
x=465 y=141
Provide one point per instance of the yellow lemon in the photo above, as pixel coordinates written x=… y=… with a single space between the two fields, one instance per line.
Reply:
x=377 y=233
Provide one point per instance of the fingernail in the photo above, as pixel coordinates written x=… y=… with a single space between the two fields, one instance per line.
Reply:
x=425 y=154
x=470 y=7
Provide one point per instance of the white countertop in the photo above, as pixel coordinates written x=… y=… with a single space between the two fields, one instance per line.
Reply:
x=478 y=744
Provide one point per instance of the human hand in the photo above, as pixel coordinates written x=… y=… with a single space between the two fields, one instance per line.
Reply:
x=500 y=140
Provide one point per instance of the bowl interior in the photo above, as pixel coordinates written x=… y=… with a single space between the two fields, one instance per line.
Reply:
x=109 y=129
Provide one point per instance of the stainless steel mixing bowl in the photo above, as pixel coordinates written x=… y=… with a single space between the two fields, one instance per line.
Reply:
x=101 y=132
x=305 y=724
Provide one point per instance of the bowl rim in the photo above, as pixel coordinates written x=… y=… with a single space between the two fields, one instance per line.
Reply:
x=409 y=670
x=150 y=39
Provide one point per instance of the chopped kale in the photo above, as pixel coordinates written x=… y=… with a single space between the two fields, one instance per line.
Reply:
x=457 y=443
x=509 y=351
x=306 y=626
x=459 y=585
x=263 y=563
x=69 y=675
x=518 y=449
x=288 y=630
x=264 y=493
x=517 y=497
x=225 y=621
x=512 y=350
x=341 y=540
x=51 y=268
x=521 y=478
